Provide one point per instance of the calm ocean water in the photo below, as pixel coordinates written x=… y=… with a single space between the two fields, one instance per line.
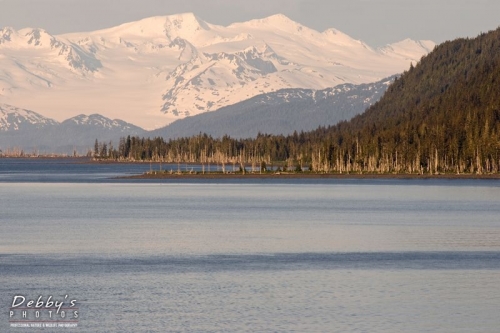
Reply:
x=247 y=256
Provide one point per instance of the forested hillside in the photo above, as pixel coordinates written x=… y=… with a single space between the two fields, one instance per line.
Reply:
x=443 y=115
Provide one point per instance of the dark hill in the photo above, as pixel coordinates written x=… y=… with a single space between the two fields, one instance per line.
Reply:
x=442 y=115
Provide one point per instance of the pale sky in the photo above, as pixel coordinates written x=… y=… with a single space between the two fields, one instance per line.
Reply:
x=376 y=22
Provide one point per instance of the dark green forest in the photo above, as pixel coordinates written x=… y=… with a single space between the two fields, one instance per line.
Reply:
x=440 y=116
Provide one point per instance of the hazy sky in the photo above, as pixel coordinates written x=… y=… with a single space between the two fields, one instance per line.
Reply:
x=377 y=22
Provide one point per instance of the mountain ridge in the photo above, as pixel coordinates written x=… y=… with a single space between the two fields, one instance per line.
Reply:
x=157 y=70
x=281 y=112
x=29 y=131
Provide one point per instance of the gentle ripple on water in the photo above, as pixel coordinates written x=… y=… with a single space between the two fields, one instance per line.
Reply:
x=251 y=256
x=418 y=292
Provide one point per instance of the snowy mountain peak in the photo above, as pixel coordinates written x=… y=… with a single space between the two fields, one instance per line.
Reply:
x=92 y=119
x=27 y=37
x=80 y=119
x=38 y=37
x=31 y=47
x=407 y=48
x=187 y=21
x=98 y=121
x=15 y=119
x=277 y=22
x=184 y=25
x=187 y=26
x=152 y=27
x=28 y=130
x=278 y=19
x=410 y=43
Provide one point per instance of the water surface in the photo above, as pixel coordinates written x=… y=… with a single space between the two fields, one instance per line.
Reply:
x=251 y=255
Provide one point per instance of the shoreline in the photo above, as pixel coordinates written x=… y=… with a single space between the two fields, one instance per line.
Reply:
x=268 y=175
x=308 y=176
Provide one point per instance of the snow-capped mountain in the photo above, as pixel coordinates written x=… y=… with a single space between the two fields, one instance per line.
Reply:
x=154 y=71
x=16 y=119
x=29 y=130
x=103 y=123
x=34 y=55
x=281 y=112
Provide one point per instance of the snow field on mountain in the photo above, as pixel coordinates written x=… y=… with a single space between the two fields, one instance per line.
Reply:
x=154 y=71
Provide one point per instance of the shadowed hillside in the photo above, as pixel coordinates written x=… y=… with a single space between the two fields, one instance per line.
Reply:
x=442 y=115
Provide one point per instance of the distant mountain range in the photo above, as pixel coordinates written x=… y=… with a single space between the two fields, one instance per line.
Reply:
x=29 y=131
x=281 y=112
x=160 y=69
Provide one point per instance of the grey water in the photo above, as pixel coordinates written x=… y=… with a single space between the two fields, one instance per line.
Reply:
x=80 y=169
x=249 y=255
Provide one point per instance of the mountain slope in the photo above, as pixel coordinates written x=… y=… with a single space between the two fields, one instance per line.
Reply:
x=16 y=119
x=441 y=116
x=83 y=130
x=160 y=69
x=30 y=131
x=282 y=112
